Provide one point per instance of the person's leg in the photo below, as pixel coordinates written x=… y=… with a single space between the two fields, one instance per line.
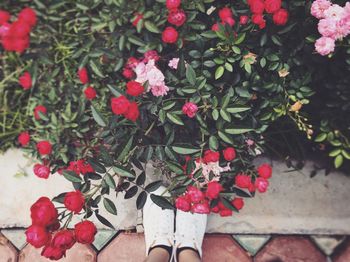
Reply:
x=158 y=226
x=158 y=254
x=190 y=230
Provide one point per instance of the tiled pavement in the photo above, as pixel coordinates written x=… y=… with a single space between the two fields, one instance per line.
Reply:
x=112 y=246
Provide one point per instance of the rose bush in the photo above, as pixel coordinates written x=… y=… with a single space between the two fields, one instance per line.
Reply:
x=106 y=87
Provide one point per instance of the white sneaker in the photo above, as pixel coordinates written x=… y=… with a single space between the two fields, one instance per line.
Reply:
x=158 y=223
x=190 y=230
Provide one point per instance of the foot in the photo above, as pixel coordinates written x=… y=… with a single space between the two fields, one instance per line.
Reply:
x=190 y=230
x=158 y=223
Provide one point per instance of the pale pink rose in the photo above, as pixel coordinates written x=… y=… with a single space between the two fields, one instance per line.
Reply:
x=250 y=142
x=212 y=168
x=318 y=7
x=160 y=90
x=325 y=45
x=335 y=12
x=327 y=27
x=173 y=63
x=141 y=74
x=342 y=29
x=190 y=109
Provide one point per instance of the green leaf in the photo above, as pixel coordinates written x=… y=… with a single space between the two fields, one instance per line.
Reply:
x=225 y=115
x=240 y=109
x=109 y=206
x=96 y=165
x=219 y=72
x=135 y=40
x=240 y=39
x=213 y=143
x=161 y=202
x=228 y=204
x=98 y=117
x=110 y=181
x=338 y=161
x=321 y=137
x=153 y=186
x=237 y=131
x=71 y=176
x=96 y=69
x=123 y=171
x=346 y=154
x=335 y=152
x=175 y=119
x=141 y=200
x=190 y=75
x=150 y=26
x=175 y=167
x=225 y=138
x=104 y=220
x=126 y=149
x=132 y=191
x=183 y=150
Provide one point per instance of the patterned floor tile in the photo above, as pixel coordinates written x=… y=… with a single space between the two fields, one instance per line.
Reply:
x=290 y=249
x=8 y=252
x=102 y=237
x=128 y=247
x=224 y=249
x=78 y=253
x=328 y=243
x=342 y=254
x=16 y=236
x=252 y=243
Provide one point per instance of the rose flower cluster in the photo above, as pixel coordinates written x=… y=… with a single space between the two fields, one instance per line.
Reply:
x=334 y=24
x=45 y=229
x=176 y=17
x=206 y=197
x=15 y=36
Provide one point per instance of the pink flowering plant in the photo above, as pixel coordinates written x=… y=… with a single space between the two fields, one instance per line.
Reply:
x=104 y=88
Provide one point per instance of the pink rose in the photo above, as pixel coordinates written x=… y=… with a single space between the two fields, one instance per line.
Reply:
x=190 y=109
x=327 y=27
x=201 y=208
x=159 y=90
x=195 y=194
x=318 y=7
x=261 y=184
x=325 y=45
x=173 y=63
x=41 y=171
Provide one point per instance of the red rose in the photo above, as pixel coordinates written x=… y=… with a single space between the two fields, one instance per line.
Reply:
x=44 y=147
x=182 y=203
x=150 y=55
x=137 y=19
x=229 y=20
x=170 y=35
x=26 y=81
x=243 y=181
x=238 y=203
x=133 y=62
x=15 y=43
x=265 y=171
x=261 y=184
x=43 y=212
x=80 y=167
x=215 y=209
x=201 y=208
x=251 y=188
x=19 y=29
x=41 y=171
x=215 y=27
x=134 y=88
x=133 y=112
x=195 y=194
x=52 y=252
x=28 y=15
x=225 y=13
x=243 y=19
x=173 y=4
x=83 y=75
x=74 y=201
x=229 y=153
x=128 y=73
x=190 y=109
x=24 y=138
x=4 y=17
x=55 y=226
x=63 y=239
x=90 y=93
x=120 y=105
x=38 y=109
x=257 y=6
x=211 y=156
x=280 y=17
x=213 y=190
x=272 y=6
x=85 y=232
x=177 y=17
x=258 y=19
x=37 y=236
x=4 y=29
x=225 y=212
